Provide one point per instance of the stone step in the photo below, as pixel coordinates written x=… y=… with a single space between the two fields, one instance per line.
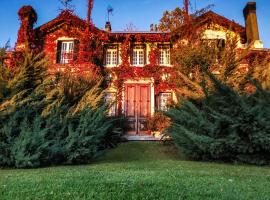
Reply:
x=141 y=138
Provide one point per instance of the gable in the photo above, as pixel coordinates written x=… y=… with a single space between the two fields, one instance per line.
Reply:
x=65 y=18
x=213 y=20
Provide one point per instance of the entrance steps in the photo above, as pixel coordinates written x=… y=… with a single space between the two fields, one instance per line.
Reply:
x=141 y=138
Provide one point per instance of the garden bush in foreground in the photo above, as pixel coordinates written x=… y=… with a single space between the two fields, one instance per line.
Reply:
x=224 y=126
x=48 y=120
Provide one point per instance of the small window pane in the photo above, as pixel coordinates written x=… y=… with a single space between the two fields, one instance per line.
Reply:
x=67 y=52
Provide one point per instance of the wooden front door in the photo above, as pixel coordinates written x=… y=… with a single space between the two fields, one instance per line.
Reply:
x=137 y=107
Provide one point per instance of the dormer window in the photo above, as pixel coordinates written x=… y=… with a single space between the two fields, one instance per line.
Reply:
x=164 y=55
x=111 y=59
x=138 y=55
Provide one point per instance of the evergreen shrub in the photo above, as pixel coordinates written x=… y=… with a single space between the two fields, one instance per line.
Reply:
x=49 y=120
x=224 y=126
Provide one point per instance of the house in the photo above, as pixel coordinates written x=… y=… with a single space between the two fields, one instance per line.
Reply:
x=138 y=64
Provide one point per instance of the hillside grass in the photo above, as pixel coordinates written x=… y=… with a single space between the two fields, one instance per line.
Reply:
x=138 y=170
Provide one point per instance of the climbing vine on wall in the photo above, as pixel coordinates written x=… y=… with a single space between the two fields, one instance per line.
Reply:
x=161 y=76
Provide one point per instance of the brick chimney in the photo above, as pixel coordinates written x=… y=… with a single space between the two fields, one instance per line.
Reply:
x=28 y=18
x=108 y=26
x=252 y=31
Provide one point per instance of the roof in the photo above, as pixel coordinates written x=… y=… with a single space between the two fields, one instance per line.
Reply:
x=212 y=17
x=146 y=36
x=138 y=32
x=69 y=18
x=65 y=17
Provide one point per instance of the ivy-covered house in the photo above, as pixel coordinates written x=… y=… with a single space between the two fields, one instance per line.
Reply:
x=137 y=64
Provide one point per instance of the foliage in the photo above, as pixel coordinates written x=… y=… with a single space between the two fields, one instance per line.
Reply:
x=52 y=119
x=158 y=122
x=28 y=17
x=86 y=132
x=224 y=125
x=260 y=68
x=172 y=20
x=4 y=72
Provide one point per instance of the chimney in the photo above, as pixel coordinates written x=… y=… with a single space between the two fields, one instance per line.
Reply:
x=252 y=31
x=108 y=26
x=28 y=18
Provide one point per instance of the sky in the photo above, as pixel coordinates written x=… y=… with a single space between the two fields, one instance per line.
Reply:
x=141 y=13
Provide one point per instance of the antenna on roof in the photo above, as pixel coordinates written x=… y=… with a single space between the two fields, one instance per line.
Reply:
x=89 y=10
x=109 y=12
x=67 y=5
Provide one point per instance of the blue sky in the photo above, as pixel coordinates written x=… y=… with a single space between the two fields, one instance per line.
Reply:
x=141 y=13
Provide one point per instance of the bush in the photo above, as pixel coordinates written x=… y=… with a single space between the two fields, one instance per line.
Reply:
x=46 y=120
x=224 y=126
x=86 y=134
x=158 y=122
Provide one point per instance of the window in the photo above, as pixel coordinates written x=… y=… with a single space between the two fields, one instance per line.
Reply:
x=138 y=55
x=215 y=43
x=164 y=55
x=110 y=98
x=66 y=52
x=164 y=100
x=111 y=56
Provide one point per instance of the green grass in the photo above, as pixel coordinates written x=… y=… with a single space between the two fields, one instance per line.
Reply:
x=138 y=170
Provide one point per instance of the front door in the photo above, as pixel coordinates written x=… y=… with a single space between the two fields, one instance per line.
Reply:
x=137 y=107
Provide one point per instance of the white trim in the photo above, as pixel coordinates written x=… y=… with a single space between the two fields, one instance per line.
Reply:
x=138 y=56
x=113 y=59
x=66 y=51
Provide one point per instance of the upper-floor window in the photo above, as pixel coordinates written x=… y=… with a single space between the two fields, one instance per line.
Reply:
x=164 y=55
x=111 y=56
x=66 y=52
x=138 y=55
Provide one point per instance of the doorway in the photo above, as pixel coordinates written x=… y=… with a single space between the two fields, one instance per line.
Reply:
x=137 y=107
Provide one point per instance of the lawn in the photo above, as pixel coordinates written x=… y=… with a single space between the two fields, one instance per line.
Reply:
x=138 y=170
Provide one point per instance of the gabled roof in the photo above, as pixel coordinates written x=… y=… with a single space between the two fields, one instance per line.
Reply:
x=211 y=17
x=65 y=17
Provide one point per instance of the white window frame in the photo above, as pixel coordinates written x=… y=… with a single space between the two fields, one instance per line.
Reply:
x=164 y=56
x=138 y=55
x=111 y=57
x=67 y=52
x=164 y=98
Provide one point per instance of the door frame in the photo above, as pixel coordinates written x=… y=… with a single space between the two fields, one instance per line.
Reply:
x=151 y=99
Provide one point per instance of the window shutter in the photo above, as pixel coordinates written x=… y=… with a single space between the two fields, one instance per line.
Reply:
x=76 y=50
x=58 y=51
